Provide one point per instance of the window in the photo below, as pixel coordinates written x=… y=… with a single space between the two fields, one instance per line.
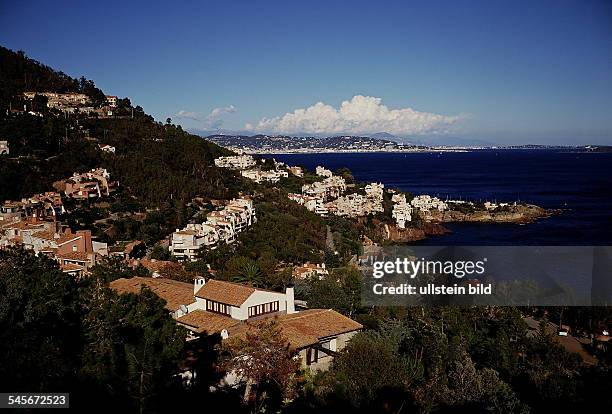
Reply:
x=263 y=309
x=217 y=307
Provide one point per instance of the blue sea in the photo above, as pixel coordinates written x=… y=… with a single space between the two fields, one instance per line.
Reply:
x=578 y=183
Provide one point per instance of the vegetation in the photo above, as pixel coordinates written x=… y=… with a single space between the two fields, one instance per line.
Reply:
x=125 y=353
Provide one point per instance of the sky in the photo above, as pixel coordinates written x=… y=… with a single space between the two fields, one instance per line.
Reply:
x=505 y=72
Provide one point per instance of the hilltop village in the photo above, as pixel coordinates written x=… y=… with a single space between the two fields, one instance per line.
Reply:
x=145 y=269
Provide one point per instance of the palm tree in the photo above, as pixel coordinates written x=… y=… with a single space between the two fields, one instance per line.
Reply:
x=247 y=271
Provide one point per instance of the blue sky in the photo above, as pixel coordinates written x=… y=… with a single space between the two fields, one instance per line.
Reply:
x=532 y=71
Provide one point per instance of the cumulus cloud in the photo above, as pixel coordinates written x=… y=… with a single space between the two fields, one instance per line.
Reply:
x=210 y=120
x=360 y=115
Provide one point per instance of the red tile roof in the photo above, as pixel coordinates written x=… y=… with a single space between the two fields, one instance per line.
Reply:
x=201 y=321
x=225 y=292
x=173 y=292
x=301 y=329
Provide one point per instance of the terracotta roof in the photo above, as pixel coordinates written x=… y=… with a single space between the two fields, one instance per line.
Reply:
x=201 y=321
x=71 y=267
x=20 y=225
x=153 y=265
x=46 y=235
x=225 y=292
x=66 y=237
x=306 y=327
x=173 y=292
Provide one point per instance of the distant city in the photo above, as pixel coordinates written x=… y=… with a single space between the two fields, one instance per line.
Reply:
x=283 y=144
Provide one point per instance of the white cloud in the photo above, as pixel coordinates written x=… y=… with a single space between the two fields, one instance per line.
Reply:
x=188 y=115
x=360 y=115
x=210 y=120
x=222 y=111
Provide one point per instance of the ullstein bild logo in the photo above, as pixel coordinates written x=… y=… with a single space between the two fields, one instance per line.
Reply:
x=412 y=268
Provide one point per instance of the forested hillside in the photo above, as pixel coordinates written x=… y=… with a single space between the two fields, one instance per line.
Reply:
x=124 y=353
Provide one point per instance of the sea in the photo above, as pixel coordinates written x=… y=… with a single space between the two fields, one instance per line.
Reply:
x=579 y=183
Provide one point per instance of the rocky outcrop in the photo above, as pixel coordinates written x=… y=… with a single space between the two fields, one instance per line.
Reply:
x=395 y=234
x=522 y=213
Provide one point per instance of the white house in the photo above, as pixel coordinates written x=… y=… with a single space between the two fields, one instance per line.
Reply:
x=216 y=307
x=107 y=148
x=308 y=270
x=426 y=202
x=323 y=172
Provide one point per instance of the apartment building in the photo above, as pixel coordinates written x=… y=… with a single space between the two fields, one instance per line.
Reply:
x=61 y=101
x=75 y=252
x=260 y=176
x=220 y=226
x=330 y=187
x=355 y=205
x=323 y=172
x=402 y=211
x=92 y=184
x=312 y=203
x=237 y=162
x=426 y=202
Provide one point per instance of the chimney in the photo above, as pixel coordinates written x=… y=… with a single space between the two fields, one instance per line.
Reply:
x=87 y=242
x=198 y=282
x=290 y=299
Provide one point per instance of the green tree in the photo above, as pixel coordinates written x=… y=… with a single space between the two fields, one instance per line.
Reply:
x=264 y=361
x=371 y=363
x=243 y=270
x=39 y=323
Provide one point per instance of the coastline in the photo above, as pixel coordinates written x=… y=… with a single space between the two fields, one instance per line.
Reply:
x=573 y=205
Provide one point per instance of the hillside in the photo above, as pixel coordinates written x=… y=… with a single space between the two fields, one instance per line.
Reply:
x=161 y=169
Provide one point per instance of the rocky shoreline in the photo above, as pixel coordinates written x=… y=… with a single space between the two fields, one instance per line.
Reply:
x=519 y=214
x=432 y=221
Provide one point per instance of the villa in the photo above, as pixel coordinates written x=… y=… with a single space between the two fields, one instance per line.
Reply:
x=308 y=270
x=230 y=310
x=111 y=101
x=297 y=171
